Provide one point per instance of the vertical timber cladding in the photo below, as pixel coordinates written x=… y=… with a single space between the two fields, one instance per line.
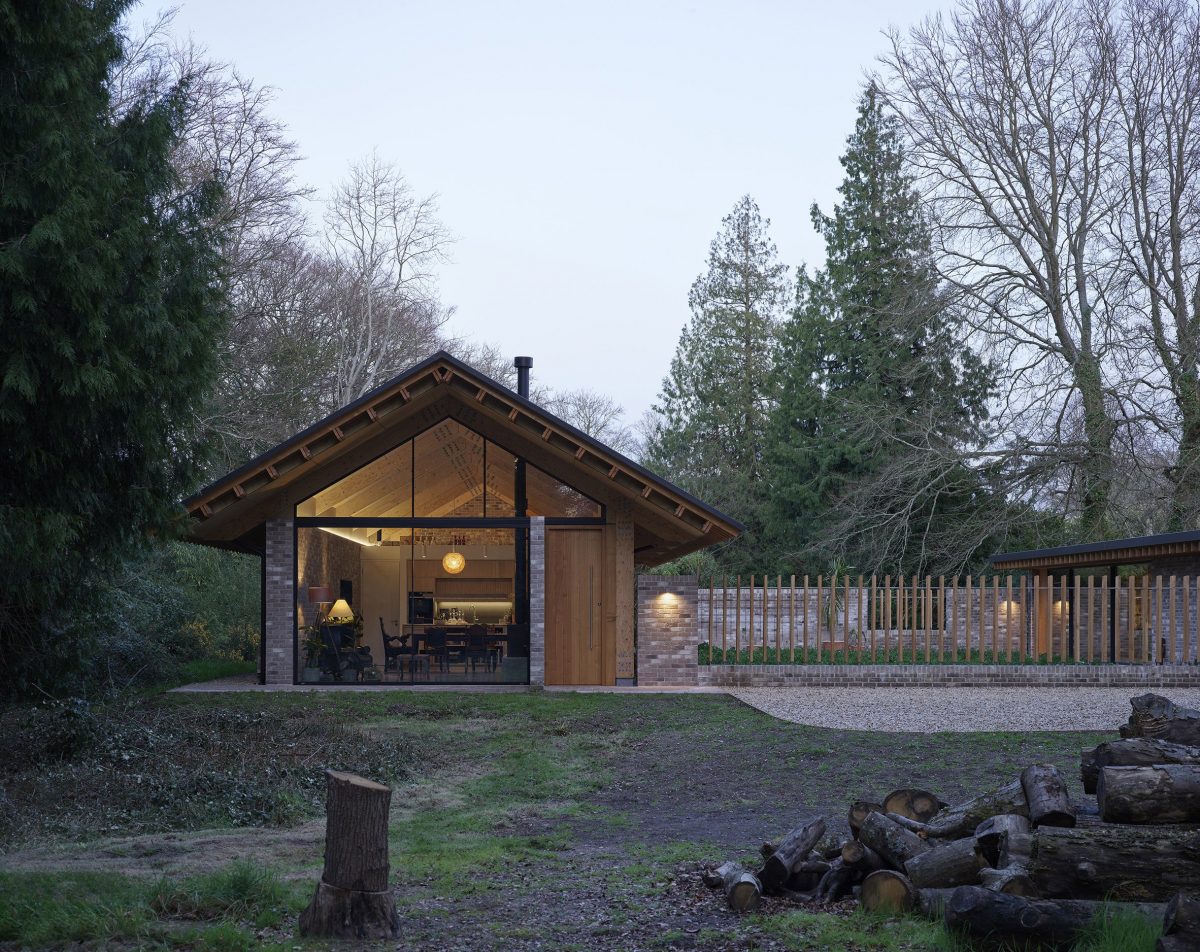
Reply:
x=622 y=594
x=580 y=632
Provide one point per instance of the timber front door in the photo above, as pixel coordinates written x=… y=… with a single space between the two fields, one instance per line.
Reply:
x=579 y=645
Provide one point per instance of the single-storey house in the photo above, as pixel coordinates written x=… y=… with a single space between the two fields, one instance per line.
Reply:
x=1058 y=571
x=443 y=528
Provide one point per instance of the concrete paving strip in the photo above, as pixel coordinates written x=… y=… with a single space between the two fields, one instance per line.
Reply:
x=932 y=710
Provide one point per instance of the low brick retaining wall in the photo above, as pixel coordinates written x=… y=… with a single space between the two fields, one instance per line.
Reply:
x=949 y=676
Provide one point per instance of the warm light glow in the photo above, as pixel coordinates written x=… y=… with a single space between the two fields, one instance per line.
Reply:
x=340 y=611
x=453 y=562
x=666 y=597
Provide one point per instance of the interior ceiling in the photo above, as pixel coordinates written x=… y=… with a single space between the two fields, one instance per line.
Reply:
x=448 y=460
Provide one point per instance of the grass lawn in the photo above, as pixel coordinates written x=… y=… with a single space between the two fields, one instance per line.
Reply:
x=566 y=821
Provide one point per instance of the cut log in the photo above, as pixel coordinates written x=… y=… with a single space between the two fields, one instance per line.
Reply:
x=956 y=863
x=1169 y=793
x=890 y=840
x=829 y=846
x=1046 y=795
x=712 y=878
x=1181 y=924
x=1013 y=880
x=743 y=891
x=1136 y=752
x=1148 y=864
x=1156 y=716
x=859 y=811
x=887 y=891
x=1016 y=849
x=353 y=899
x=932 y=902
x=996 y=916
x=961 y=820
x=836 y=882
x=991 y=832
x=792 y=850
x=914 y=804
x=806 y=876
x=861 y=857
x=916 y=826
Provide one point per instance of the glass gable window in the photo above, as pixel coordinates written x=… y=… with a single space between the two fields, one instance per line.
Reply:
x=450 y=472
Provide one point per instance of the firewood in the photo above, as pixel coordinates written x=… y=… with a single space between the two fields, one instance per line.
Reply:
x=1013 y=880
x=890 y=840
x=1147 y=864
x=962 y=819
x=766 y=849
x=861 y=857
x=956 y=863
x=916 y=826
x=1156 y=716
x=353 y=899
x=1046 y=795
x=829 y=846
x=1015 y=849
x=887 y=891
x=1136 y=752
x=991 y=831
x=859 y=811
x=914 y=804
x=743 y=891
x=1168 y=793
x=996 y=916
x=932 y=902
x=1181 y=924
x=836 y=882
x=712 y=878
x=792 y=849
x=806 y=876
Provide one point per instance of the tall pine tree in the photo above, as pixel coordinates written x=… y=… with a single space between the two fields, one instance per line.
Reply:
x=715 y=402
x=877 y=394
x=111 y=299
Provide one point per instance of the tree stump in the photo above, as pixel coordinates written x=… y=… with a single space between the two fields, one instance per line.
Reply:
x=353 y=900
x=1155 y=716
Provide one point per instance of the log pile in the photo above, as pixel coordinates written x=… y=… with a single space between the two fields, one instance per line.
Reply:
x=1023 y=863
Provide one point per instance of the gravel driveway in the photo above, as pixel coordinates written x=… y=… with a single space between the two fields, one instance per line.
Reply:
x=927 y=710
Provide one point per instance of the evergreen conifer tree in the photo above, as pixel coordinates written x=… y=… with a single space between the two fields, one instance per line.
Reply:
x=111 y=299
x=713 y=409
x=876 y=392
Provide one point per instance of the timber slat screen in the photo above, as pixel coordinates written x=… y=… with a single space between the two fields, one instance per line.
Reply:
x=765 y=619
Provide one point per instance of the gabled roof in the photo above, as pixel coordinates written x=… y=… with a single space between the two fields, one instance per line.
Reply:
x=1111 y=552
x=670 y=521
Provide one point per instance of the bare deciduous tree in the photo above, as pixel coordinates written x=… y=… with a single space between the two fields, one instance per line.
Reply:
x=1008 y=107
x=383 y=243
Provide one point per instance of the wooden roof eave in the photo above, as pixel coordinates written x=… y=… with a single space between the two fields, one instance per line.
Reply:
x=250 y=491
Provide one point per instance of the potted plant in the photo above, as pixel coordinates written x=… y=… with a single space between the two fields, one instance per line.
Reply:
x=312 y=653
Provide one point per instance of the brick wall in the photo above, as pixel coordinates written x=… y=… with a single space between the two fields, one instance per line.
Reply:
x=280 y=634
x=1133 y=677
x=537 y=600
x=667 y=616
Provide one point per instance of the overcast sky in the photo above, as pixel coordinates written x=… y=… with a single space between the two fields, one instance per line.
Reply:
x=584 y=153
